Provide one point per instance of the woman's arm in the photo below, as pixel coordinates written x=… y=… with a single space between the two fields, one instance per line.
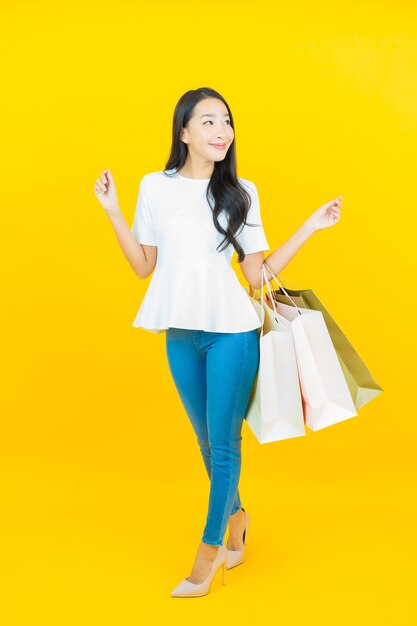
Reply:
x=280 y=257
x=141 y=258
x=327 y=215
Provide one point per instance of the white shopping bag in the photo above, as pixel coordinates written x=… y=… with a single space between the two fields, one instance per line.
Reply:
x=326 y=396
x=275 y=409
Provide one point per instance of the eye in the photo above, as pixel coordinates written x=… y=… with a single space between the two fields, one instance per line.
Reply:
x=210 y=122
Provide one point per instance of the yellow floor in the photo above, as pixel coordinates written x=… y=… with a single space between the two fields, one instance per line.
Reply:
x=91 y=536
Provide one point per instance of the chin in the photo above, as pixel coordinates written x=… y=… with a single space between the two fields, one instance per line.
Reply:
x=221 y=157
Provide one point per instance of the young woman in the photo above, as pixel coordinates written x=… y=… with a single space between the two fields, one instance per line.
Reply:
x=189 y=220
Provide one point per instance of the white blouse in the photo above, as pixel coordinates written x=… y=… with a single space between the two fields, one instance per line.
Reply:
x=193 y=285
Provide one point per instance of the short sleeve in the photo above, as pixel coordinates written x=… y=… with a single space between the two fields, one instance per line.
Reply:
x=143 y=227
x=253 y=238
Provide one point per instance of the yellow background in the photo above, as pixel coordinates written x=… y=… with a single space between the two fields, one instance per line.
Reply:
x=103 y=490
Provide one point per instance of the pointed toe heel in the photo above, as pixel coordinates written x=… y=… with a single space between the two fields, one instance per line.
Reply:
x=186 y=589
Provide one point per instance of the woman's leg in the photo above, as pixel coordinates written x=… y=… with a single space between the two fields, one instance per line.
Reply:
x=232 y=365
x=187 y=363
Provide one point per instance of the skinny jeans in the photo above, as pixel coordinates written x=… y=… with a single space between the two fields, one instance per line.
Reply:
x=214 y=374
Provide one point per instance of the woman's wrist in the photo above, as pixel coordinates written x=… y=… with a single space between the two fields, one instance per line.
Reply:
x=309 y=227
x=113 y=211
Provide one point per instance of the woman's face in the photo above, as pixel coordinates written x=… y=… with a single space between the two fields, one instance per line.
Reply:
x=209 y=125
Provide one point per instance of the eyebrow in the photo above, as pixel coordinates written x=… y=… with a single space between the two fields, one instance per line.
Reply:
x=211 y=115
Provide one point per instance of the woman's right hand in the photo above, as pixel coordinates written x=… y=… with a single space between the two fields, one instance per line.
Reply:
x=105 y=191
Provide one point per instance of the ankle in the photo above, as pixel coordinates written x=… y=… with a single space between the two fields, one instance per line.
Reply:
x=237 y=515
x=207 y=550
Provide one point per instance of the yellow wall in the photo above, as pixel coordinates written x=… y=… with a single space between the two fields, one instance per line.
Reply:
x=104 y=493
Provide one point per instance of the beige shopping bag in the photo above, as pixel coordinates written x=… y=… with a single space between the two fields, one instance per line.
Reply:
x=362 y=385
x=325 y=393
x=275 y=410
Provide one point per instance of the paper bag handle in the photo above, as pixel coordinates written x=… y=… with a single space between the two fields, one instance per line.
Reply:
x=274 y=275
x=264 y=280
x=265 y=265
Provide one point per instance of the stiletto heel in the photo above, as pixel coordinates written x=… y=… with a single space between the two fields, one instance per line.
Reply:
x=186 y=589
x=236 y=557
x=223 y=574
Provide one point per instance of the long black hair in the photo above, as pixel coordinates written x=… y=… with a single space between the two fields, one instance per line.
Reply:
x=224 y=187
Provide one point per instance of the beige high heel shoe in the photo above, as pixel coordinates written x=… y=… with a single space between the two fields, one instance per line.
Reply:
x=185 y=589
x=236 y=557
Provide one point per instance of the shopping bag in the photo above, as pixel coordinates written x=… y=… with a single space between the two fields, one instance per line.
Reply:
x=274 y=411
x=325 y=393
x=362 y=385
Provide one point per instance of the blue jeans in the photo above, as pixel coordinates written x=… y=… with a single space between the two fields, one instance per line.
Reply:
x=214 y=374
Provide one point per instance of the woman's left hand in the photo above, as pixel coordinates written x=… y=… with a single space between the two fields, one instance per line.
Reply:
x=327 y=215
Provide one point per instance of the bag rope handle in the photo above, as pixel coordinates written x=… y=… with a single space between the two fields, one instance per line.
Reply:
x=265 y=281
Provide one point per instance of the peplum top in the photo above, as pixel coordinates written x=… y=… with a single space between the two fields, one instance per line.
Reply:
x=193 y=285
